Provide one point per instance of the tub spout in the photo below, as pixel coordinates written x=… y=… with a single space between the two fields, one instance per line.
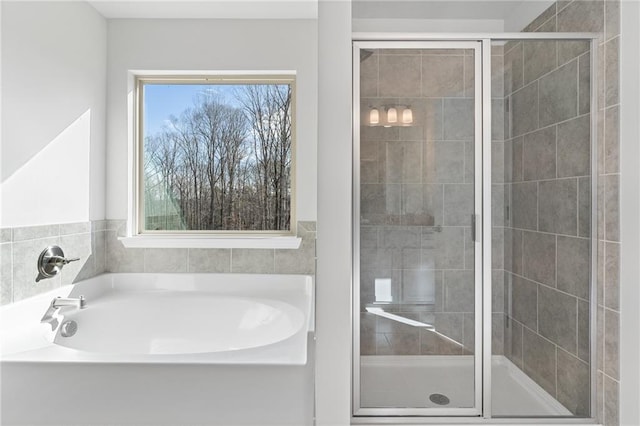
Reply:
x=56 y=304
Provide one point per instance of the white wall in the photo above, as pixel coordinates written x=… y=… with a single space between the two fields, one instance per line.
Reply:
x=629 y=213
x=333 y=272
x=53 y=113
x=209 y=45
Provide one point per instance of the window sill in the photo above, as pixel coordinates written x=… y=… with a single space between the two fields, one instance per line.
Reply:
x=248 y=242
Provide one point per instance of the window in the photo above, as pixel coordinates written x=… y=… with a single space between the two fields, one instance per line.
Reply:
x=215 y=154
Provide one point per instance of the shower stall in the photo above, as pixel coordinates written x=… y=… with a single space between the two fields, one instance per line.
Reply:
x=474 y=227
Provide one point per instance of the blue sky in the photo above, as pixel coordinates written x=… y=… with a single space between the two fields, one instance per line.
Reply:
x=163 y=100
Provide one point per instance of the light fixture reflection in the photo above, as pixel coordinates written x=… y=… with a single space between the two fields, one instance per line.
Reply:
x=374 y=116
x=407 y=116
x=392 y=115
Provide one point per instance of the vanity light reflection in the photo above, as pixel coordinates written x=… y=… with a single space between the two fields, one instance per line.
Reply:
x=390 y=115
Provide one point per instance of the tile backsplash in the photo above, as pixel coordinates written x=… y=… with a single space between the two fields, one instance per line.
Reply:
x=96 y=244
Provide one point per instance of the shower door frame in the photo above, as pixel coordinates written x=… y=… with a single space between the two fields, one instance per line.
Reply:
x=481 y=412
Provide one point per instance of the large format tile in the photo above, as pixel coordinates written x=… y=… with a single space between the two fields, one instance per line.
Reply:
x=573 y=266
x=444 y=162
x=557 y=318
x=573 y=384
x=259 y=261
x=539 y=57
x=459 y=122
x=611 y=207
x=612 y=72
x=121 y=259
x=574 y=147
x=458 y=204
x=514 y=71
x=612 y=276
x=369 y=76
x=558 y=94
x=582 y=16
x=399 y=75
x=524 y=109
x=539 y=257
x=459 y=291
x=612 y=140
x=558 y=206
x=442 y=76
x=77 y=245
x=539 y=154
x=524 y=205
x=584 y=333
x=612 y=343
x=539 y=356
x=524 y=304
x=162 y=260
x=209 y=260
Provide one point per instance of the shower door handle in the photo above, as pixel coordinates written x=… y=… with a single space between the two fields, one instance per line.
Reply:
x=473 y=227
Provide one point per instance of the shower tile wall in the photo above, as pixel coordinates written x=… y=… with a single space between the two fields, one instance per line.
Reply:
x=416 y=201
x=546 y=85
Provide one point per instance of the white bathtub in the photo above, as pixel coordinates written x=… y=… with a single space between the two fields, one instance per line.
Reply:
x=163 y=349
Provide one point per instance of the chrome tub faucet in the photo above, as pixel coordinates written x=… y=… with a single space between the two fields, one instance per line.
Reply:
x=58 y=303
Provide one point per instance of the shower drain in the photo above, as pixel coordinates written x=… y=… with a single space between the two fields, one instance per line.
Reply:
x=438 y=398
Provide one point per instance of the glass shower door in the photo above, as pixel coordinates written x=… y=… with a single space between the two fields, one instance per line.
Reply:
x=417 y=262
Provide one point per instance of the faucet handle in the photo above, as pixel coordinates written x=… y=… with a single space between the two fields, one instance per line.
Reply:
x=51 y=261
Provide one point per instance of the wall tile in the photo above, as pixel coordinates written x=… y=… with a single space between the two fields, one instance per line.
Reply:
x=497 y=205
x=539 y=359
x=557 y=318
x=584 y=207
x=611 y=140
x=513 y=342
x=458 y=119
x=517 y=250
x=584 y=340
x=469 y=338
x=612 y=72
x=497 y=72
x=574 y=147
x=573 y=266
x=497 y=119
x=209 y=260
x=611 y=343
x=444 y=162
x=524 y=109
x=369 y=76
x=516 y=160
x=584 y=84
x=569 y=50
x=539 y=257
x=524 y=294
x=558 y=94
x=459 y=291
x=524 y=205
x=558 y=206
x=497 y=248
x=514 y=70
x=497 y=291
x=539 y=57
x=6 y=266
x=121 y=259
x=612 y=18
x=24 y=233
x=77 y=245
x=582 y=16
x=539 y=154
x=497 y=334
x=400 y=344
x=399 y=75
x=573 y=384
x=611 y=207
x=444 y=248
x=432 y=344
x=5 y=235
x=442 y=76
x=612 y=276
x=458 y=204
x=165 y=260
x=497 y=162
x=25 y=257
x=611 y=402
x=75 y=228
x=260 y=261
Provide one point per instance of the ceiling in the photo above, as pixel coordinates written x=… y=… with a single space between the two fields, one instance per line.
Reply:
x=207 y=9
x=515 y=11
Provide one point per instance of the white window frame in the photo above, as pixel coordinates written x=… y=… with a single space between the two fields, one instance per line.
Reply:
x=135 y=236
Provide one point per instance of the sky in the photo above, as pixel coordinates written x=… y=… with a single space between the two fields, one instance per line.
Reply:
x=163 y=100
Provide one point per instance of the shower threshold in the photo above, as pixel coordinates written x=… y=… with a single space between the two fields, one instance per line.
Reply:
x=436 y=381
